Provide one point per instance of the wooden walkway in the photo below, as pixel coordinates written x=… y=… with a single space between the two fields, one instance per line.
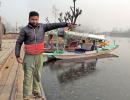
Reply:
x=7 y=69
x=11 y=73
x=7 y=47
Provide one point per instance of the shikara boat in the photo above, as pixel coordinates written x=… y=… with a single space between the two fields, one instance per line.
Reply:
x=65 y=54
x=86 y=54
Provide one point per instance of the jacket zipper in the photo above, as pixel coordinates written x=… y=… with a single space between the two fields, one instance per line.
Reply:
x=35 y=37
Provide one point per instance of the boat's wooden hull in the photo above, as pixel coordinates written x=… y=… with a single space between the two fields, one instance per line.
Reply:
x=84 y=55
x=88 y=54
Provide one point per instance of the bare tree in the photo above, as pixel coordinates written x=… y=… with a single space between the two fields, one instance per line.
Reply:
x=72 y=15
x=55 y=12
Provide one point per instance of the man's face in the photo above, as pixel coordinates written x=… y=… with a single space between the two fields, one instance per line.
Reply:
x=34 y=20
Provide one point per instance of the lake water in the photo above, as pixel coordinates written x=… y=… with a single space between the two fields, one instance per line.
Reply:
x=95 y=79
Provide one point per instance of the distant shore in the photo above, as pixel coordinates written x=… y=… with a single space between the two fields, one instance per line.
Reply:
x=120 y=35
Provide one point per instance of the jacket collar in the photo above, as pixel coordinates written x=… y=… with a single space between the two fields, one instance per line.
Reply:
x=30 y=26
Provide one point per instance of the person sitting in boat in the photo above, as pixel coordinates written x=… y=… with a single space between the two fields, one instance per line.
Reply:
x=84 y=47
x=61 y=32
x=51 y=41
x=94 y=46
x=102 y=43
x=61 y=35
x=87 y=45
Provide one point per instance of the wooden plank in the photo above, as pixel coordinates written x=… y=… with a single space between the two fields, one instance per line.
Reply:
x=5 y=54
x=7 y=69
x=8 y=84
x=8 y=46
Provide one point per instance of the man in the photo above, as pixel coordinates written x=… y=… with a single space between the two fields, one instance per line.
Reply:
x=32 y=36
x=2 y=31
x=61 y=32
x=61 y=38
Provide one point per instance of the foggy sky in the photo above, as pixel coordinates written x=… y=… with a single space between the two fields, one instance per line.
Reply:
x=99 y=14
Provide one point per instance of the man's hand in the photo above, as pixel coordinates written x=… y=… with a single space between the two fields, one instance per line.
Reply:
x=71 y=25
x=19 y=60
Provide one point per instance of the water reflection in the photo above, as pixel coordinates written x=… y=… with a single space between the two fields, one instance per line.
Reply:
x=70 y=70
x=76 y=71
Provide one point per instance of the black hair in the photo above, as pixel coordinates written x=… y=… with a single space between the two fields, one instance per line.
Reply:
x=83 y=41
x=33 y=13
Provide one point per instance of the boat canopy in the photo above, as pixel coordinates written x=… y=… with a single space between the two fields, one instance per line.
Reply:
x=86 y=35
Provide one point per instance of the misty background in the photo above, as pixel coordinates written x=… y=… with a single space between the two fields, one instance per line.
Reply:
x=97 y=15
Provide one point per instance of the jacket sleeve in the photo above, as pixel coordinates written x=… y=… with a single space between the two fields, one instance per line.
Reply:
x=51 y=26
x=19 y=43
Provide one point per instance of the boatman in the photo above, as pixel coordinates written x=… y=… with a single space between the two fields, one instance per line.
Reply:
x=32 y=36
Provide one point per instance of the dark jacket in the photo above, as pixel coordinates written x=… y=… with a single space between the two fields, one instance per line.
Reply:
x=27 y=34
